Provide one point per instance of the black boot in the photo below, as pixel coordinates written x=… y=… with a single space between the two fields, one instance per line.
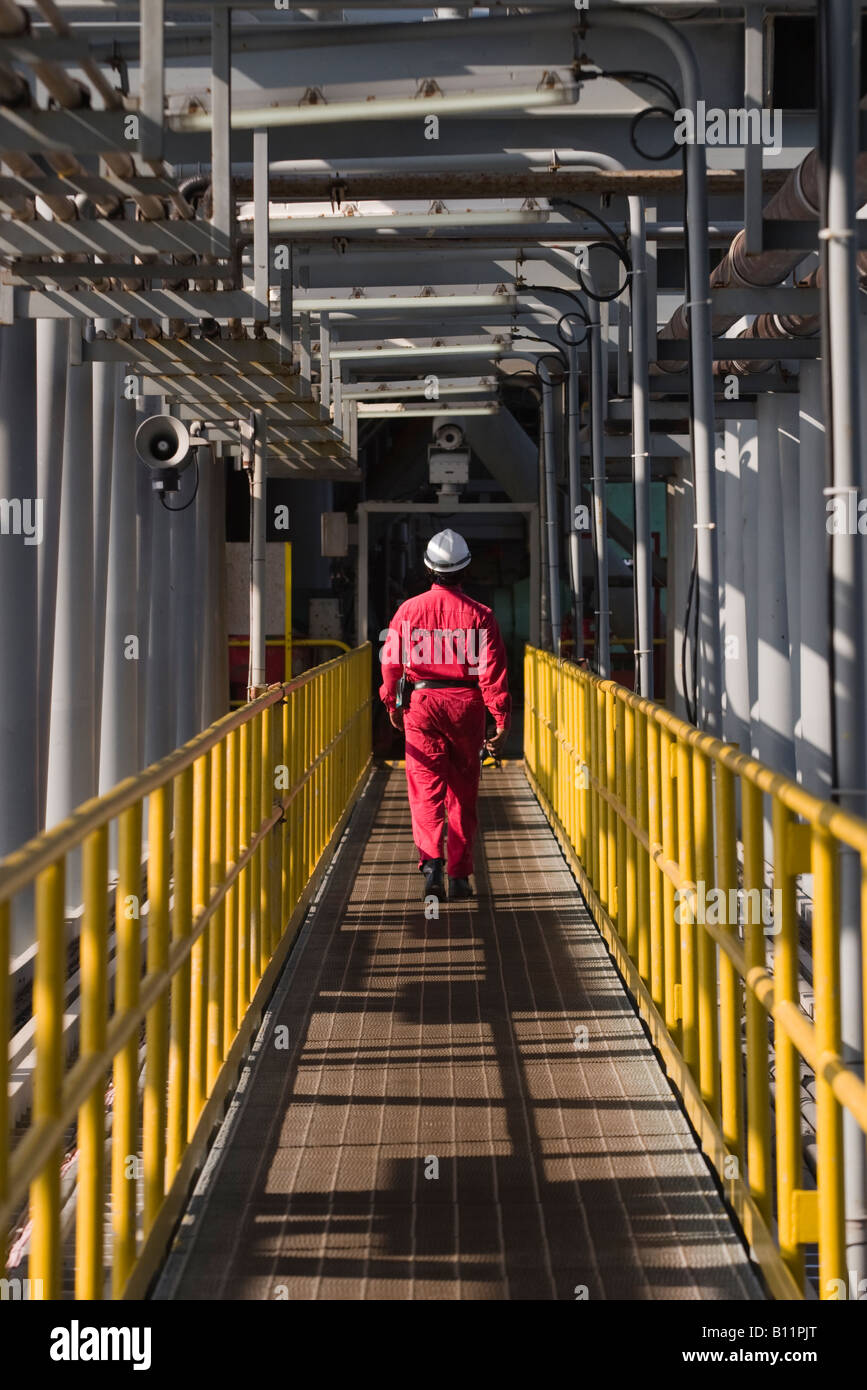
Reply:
x=459 y=888
x=433 y=879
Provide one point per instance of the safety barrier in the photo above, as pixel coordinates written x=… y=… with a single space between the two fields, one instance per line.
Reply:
x=646 y=808
x=240 y=826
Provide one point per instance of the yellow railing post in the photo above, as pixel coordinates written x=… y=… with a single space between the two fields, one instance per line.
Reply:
x=630 y=844
x=216 y=927
x=829 y=1117
x=48 y=998
x=199 y=957
x=156 y=1029
x=730 y=986
x=93 y=953
x=788 y=1077
x=688 y=910
x=671 y=954
x=231 y=1017
x=656 y=882
x=706 y=950
x=124 y=1134
x=244 y=897
x=758 y=1089
x=182 y=916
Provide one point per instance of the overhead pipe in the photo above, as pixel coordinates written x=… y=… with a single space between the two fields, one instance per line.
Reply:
x=783 y=327
x=797 y=201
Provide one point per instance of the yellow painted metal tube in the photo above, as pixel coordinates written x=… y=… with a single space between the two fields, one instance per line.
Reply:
x=630 y=851
x=758 y=1090
x=829 y=1116
x=603 y=810
x=48 y=998
x=257 y=927
x=231 y=1018
x=93 y=963
x=199 y=958
x=671 y=953
x=244 y=882
x=182 y=916
x=156 y=1028
x=730 y=986
x=610 y=715
x=266 y=853
x=124 y=1133
x=787 y=1078
x=5 y=1033
x=216 y=930
x=655 y=889
x=706 y=950
x=688 y=925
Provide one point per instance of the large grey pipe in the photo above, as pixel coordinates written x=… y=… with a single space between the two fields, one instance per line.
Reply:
x=549 y=458
x=574 y=438
x=52 y=355
x=842 y=62
x=598 y=396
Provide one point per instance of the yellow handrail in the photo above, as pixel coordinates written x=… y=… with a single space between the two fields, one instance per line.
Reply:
x=645 y=807
x=240 y=825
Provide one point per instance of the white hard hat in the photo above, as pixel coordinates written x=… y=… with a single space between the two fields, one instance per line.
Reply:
x=447 y=552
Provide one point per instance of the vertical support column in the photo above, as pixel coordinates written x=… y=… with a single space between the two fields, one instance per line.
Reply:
x=361 y=589
x=324 y=361
x=598 y=393
x=753 y=101
x=160 y=691
x=574 y=438
x=736 y=726
x=775 y=728
x=187 y=618
x=219 y=683
x=840 y=30
x=19 y=504
x=145 y=505
x=152 y=98
x=52 y=356
x=552 y=528
x=642 y=568
x=122 y=652
x=257 y=558
x=72 y=752
x=813 y=731
x=221 y=131
x=105 y=384
x=260 y=223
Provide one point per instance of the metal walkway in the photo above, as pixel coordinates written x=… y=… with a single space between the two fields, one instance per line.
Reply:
x=410 y=1044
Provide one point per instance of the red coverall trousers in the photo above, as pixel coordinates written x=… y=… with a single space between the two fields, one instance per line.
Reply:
x=445 y=730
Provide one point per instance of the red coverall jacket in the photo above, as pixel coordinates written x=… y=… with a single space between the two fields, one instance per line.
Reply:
x=445 y=634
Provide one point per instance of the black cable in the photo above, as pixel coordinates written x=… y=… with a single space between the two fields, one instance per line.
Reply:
x=617 y=246
x=191 y=500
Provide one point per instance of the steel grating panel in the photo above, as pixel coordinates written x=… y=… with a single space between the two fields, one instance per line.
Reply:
x=453 y=1040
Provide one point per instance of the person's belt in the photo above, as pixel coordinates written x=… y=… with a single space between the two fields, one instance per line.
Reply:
x=443 y=684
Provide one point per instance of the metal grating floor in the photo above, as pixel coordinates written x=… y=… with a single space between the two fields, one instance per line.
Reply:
x=414 y=1046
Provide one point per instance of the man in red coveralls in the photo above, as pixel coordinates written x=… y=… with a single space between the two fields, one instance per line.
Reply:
x=449 y=647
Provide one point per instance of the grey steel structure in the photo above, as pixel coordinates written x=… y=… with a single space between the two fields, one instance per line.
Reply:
x=267 y=224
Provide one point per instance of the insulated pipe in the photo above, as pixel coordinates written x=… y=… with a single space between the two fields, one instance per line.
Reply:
x=796 y=201
x=840 y=23
x=19 y=491
x=257 y=676
x=122 y=655
x=598 y=395
x=52 y=355
x=72 y=750
x=781 y=327
x=105 y=393
x=552 y=510
x=574 y=438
